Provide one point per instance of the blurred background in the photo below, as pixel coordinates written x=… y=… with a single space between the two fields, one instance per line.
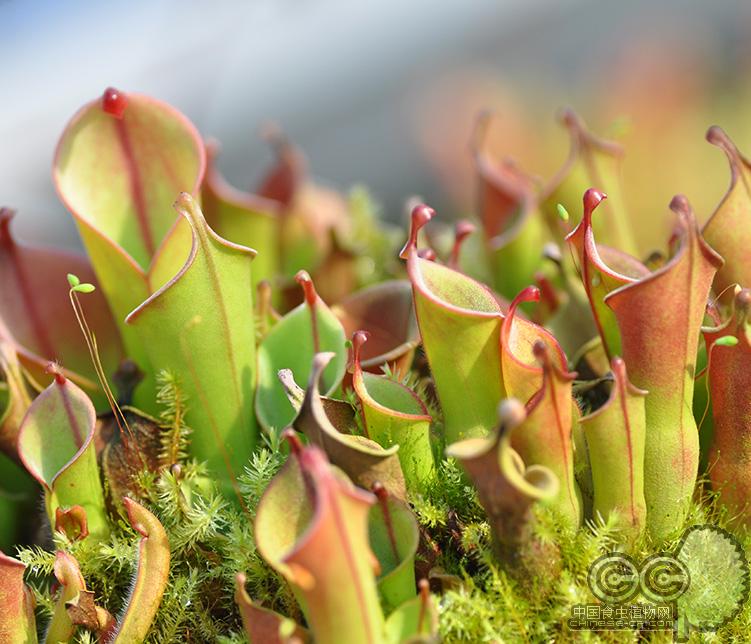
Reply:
x=385 y=93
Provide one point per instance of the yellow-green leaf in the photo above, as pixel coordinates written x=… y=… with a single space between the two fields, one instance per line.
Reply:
x=68 y=575
x=151 y=577
x=291 y=344
x=460 y=324
x=55 y=444
x=393 y=415
x=615 y=436
x=200 y=325
x=312 y=527
x=394 y=537
x=242 y=218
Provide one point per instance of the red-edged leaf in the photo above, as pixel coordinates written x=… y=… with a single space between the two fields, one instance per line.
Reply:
x=55 y=444
x=393 y=414
x=313 y=216
x=362 y=459
x=566 y=312
x=242 y=218
x=728 y=230
x=18 y=399
x=598 y=277
x=591 y=162
x=17 y=622
x=68 y=575
x=394 y=537
x=415 y=621
x=36 y=316
x=615 y=436
x=118 y=172
x=291 y=344
x=659 y=318
x=386 y=312
x=730 y=390
x=522 y=374
x=545 y=436
x=200 y=326
x=264 y=626
x=506 y=487
x=151 y=577
x=460 y=323
x=312 y=527
x=509 y=211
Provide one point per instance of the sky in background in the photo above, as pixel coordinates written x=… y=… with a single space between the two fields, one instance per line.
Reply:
x=354 y=83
